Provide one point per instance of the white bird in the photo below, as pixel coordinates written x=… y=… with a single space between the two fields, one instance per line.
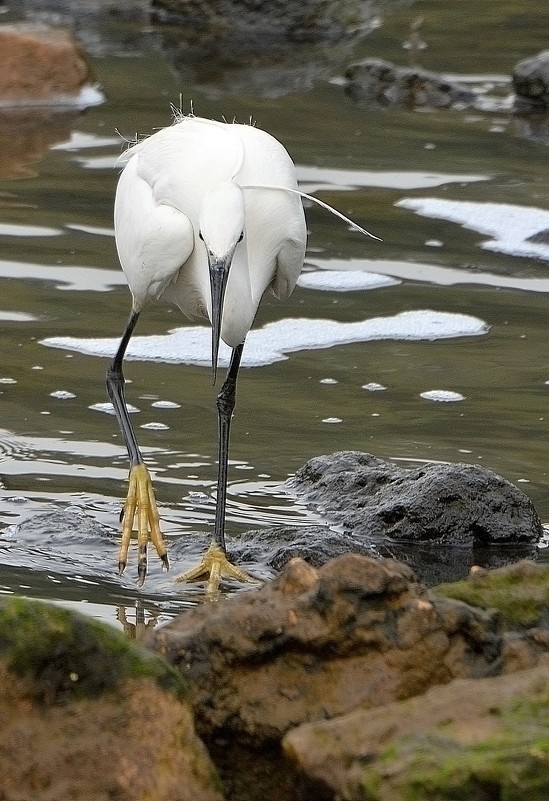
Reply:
x=208 y=216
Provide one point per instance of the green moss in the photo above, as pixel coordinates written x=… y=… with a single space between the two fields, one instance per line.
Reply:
x=520 y=593
x=69 y=655
x=510 y=766
x=505 y=769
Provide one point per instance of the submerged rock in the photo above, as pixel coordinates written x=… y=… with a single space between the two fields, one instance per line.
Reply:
x=86 y=714
x=383 y=83
x=470 y=740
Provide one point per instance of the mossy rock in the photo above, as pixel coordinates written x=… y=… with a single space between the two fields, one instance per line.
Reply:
x=511 y=765
x=519 y=592
x=67 y=655
x=470 y=740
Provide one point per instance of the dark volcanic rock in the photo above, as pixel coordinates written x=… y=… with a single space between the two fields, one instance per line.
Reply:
x=440 y=519
x=383 y=83
x=448 y=504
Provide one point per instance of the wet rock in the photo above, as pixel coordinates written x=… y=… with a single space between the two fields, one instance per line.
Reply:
x=531 y=83
x=86 y=714
x=383 y=83
x=40 y=65
x=451 y=504
x=470 y=740
x=277 y=545
x=314 y=644
x=456 y=515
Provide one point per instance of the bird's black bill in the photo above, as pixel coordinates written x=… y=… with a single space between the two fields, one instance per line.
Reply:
x=219 y=273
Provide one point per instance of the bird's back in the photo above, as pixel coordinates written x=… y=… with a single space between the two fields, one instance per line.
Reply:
x=183 y=161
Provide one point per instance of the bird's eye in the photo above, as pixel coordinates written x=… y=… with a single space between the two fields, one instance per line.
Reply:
x=200 y=235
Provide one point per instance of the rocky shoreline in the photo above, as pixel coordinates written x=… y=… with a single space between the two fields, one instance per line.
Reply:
x=351 y=679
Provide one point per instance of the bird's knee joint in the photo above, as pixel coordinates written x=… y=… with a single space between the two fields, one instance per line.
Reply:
x=114 y=377
x=226 y=402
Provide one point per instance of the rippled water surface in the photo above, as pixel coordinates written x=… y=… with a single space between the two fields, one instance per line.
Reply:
x=454 y=338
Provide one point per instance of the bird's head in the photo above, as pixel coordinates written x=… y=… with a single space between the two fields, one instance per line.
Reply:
x=221 y=227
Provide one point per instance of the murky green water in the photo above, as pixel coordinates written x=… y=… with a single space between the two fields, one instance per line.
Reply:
x=60 y=278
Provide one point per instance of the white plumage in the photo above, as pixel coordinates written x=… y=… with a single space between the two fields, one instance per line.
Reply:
x=207 y=215
x=165 y=196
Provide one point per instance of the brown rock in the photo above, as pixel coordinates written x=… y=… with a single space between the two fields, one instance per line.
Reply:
x=87 y=714
x=315 y=644
x=40 y=65
x=469 y=740
x=134 y=743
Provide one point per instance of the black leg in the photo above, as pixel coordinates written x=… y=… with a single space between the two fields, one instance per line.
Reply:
x=115 y=388
x=215 y=566
x=225 y=405
x=140 y=501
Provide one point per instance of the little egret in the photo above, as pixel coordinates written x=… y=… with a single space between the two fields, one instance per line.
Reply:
x=207 y=216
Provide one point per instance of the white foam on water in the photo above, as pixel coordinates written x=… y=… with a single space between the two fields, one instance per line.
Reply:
x=510 y=226
x=81 y=140
x=165 y=404
x=90 y=229
x=66 y=277
x=88 y=96
x=442 y=396
x=17 y=317
x=373 y=386
x=344 y=280
x=193 y=344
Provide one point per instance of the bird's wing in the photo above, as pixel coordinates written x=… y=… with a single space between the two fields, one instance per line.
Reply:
x=288 y=267
x=153 y=239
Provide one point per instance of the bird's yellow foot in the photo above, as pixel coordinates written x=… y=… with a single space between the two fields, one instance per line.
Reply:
x=140 y=502
x=215 y=566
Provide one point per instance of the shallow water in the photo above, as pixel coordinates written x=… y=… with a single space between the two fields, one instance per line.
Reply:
x=454 y=195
